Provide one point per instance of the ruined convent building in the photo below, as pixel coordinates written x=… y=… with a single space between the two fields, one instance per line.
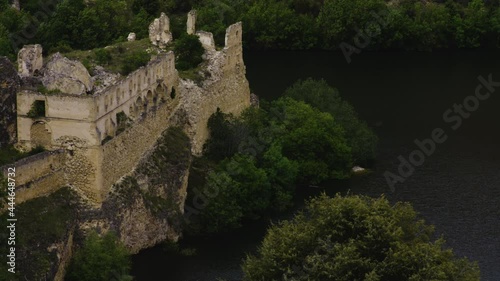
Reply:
x=96 y=133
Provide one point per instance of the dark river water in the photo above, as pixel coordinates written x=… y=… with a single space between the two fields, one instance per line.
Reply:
x=403 y=96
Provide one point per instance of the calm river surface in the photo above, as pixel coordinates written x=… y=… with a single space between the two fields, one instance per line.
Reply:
x=404 y=96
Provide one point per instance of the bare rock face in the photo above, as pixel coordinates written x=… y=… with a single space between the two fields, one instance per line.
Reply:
x=159 y=31
x=67 y=76
x=9 y=85
x=103 y=79
x=29 y=60
x=191 y=22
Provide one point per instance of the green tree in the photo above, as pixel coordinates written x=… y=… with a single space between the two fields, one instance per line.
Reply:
x=340 y=20
x=355 y=238
x=319 y=94
x=471 y=28
x=188 y=50
x=273 y=24
x=101 y=258
x=282 y=174
x=312 y=138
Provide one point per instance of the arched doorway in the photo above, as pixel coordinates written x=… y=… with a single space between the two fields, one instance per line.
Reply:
x=41 y=135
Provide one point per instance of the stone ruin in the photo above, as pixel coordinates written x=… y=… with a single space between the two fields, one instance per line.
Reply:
x=30 y=60
x=159 y=31
x=191 y=22
x=131 y=37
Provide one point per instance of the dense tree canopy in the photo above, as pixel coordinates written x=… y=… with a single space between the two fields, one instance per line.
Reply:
x=355 y=238
x=252 y=163
x=278 y=24
x=100 y=259
x=319 y=94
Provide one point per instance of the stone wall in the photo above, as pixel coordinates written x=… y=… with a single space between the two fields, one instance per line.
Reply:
x=121 y=154
x=38 y=175
x=226 y=89
x=64 y=115
x=141 y=91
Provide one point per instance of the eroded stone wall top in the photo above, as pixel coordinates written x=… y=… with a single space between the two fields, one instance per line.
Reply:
x=234 y=35
x=159 y=31
x=191 y=22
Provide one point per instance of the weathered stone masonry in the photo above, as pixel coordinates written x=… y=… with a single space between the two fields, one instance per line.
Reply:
x=98 y=151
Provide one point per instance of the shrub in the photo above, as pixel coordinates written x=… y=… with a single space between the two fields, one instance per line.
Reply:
x=100 y=259
x=37 y=109
x=355 y=238
x=103 y=56
x=133 y=61
x=189 y=51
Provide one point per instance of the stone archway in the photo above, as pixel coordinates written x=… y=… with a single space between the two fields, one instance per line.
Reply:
x=41 y=135
x=150 y=99
x=160 y=92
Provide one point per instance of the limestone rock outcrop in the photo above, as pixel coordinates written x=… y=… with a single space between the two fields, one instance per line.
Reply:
x=191 y=22
x=159 y=31
x=30 y=60
x=131 y=37
x=9 y=85
x=67 y=76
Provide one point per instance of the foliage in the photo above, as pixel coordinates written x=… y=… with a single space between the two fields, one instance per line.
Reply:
x=37 y=109
x=57 y=213
x=355 y=238
x=100 y=258
x=10 y=155
x=281 y=24
x=227 y=133
x=313 y=139
x=188 y=50
x=319 y=94
x=103 y=56
x=133 y=61
x=252 y=163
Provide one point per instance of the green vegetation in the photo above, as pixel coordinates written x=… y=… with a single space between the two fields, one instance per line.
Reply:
x=118 y=58
x=355 y=238
x=278 y=24
x=10 y=155
x=123 y=122
x=37 y=109
x=188 y=50
x=100 y=259
x=43 y=90
x=163 y=167
x=359 y=136
x=134 y=60
x=42 y=222
x=252 y=163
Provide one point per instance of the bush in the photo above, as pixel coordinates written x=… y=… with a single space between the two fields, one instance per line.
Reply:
x=189 y=51
x=359 y=136
x=37 y=109
x=103 y=56
x=355 y=238
x=133 y=61
x=100 y=259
